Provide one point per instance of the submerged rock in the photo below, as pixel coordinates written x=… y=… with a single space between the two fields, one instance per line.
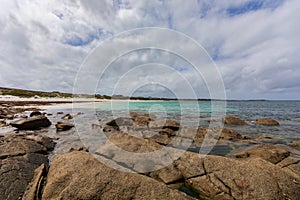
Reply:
x=230 y=120
x=267 y=121
x=31 y=123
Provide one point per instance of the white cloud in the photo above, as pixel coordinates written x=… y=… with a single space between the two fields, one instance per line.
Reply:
x=43 y=43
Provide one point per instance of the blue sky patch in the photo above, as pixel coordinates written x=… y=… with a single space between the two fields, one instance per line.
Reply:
x=247 y=7
x=78 y=41
x=253 y=6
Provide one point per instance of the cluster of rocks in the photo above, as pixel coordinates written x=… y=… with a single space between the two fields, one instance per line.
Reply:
x=169 y=132
x=110 y=175
x=9 y=112
x=262 y=171
x=38 y=120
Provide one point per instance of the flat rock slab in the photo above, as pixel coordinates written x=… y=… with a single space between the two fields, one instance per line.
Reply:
x=31 y=123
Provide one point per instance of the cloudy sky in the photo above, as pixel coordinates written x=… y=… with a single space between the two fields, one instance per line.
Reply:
x=255 y=45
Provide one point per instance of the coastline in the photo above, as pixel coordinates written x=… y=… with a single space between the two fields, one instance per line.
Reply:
x=185 y=178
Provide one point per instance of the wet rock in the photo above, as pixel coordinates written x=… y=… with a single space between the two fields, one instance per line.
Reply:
x=31 y=123
x=78 y=175
x=161 y=124
x=35 y=113
x=268 y=152
x=67 y=117
x=230 y=120
x=267 y=121
x=63 y=126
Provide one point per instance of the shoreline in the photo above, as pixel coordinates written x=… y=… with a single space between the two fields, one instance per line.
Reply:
x=138 y=130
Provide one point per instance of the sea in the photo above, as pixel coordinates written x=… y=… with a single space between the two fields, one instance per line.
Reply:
x=89 y=119
x=287 y=113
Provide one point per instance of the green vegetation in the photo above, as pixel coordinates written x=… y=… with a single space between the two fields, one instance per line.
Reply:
x=56 y=94
x=28 y=93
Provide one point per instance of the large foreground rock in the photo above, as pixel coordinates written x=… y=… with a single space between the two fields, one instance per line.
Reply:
x=19 y=157
x=78 y=175
x=31 y=123
x=212 y=177
x=223 y=178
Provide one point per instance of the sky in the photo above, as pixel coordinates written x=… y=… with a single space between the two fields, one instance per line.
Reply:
x=57 y=45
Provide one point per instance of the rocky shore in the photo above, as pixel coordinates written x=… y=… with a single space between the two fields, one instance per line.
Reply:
x=259 y=171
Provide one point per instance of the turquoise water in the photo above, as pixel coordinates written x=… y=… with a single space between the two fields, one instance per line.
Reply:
x=286 y=112
x=170 y=107
x=281 y=110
